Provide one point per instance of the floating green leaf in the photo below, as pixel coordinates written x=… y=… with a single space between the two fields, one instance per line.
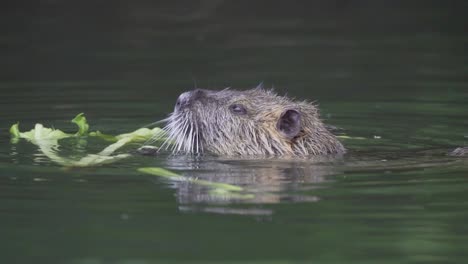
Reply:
x=160 y=172
x=47 y=141
x=103 y=136
x=42 y=133
x=80 y=121
x=14 y=131
x=139 y=135
x=143 y=134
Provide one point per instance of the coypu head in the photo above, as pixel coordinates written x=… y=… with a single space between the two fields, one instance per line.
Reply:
x=252 y=122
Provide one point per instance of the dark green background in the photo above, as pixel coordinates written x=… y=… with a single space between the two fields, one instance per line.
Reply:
x=393 y=72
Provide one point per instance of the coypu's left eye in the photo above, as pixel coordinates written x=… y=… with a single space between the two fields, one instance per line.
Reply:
x=238 y=109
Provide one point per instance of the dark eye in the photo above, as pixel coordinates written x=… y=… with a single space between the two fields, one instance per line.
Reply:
x=238 y=109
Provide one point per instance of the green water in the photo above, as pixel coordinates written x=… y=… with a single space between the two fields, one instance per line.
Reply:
x=393 y=74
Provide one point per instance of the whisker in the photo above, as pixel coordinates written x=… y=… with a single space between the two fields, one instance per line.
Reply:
x=171 y=131
x=179 y=136
x=196 y=136
x=188 y=147
x=156 y=137
x=158 y=122
x=182 y=134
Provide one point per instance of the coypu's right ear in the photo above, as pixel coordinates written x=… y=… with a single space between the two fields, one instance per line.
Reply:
x=289 y=123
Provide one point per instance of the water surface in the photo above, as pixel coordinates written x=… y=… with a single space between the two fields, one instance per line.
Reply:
x=393 y=74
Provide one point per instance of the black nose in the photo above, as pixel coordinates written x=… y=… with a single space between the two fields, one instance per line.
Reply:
x=182 y=101
x=187 y=98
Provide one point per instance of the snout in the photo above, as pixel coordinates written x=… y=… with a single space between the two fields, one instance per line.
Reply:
x=186 y=99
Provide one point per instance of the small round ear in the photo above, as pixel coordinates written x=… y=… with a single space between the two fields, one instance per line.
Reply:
x=289 y=123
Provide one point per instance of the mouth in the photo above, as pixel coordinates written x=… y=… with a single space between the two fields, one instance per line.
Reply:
x=183 y=134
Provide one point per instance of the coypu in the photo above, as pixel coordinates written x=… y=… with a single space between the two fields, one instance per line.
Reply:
x=248 y=123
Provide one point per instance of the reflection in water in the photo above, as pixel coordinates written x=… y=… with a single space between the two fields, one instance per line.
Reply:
x=264 y=182
x=274 y=181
